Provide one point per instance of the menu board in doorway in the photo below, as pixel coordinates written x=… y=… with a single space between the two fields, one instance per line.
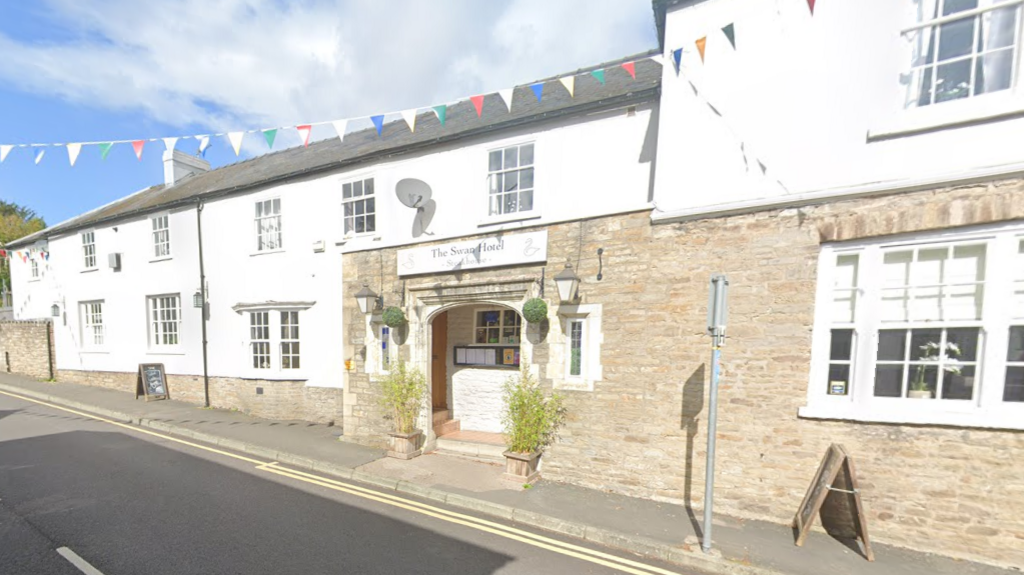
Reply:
x=152 y=382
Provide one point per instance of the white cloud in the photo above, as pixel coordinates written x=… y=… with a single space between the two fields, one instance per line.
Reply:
x=237 y=64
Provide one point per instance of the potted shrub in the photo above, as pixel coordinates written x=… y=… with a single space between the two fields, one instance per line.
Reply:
x=535 y=310
x=393 y=317
x=531 y=421
x=403 y=391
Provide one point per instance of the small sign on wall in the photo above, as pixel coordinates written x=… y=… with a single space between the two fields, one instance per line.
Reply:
x=488 y=252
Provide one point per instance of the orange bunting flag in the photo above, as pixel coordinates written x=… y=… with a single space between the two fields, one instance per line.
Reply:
x=700 y=47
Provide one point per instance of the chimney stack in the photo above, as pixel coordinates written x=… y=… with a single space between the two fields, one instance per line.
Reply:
x=179 y=165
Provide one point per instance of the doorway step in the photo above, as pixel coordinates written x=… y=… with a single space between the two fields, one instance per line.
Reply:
x=443 y=423
x=478 y=445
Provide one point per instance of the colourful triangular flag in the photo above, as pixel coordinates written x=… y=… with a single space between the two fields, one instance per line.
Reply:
x=339 y=128
x=506 y=96
x=378 y=121
x=570 y=84
x=170 y=143
x=39 y=155
x=269 y=136
x=701 y=44
x=730 y=33
x=236 y=141
x=811 y=4
x=304 y=131
x=538 y=90
x=478 y=103
x=410 y=118
x=630 y=67
x=441 y=112
x=73 y=151
x=4 y=150
x=204 y=144
x=105 y=149
x=599 y=74
x=677 y=57
x=137 y=146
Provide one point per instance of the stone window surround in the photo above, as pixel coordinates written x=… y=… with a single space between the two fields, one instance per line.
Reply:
x=592 y=339
x=988 y=410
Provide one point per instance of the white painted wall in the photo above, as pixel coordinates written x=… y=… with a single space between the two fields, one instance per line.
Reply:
x=803 y=93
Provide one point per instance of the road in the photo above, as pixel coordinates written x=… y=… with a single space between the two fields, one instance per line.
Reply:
x=82 y=495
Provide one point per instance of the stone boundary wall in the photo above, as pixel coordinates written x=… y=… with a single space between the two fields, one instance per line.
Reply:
x=281 y=400
x=27 y=348
x=642 y=430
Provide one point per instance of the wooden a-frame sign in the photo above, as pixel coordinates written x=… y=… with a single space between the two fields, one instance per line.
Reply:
x=835 y=461
x=152 y=382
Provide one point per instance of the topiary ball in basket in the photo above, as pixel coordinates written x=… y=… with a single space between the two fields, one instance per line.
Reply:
x=535 y=310
x=394 y=317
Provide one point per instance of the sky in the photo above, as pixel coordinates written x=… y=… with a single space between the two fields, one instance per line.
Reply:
x=97 y=70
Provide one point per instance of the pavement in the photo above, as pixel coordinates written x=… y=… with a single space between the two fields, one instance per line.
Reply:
x=658 y=531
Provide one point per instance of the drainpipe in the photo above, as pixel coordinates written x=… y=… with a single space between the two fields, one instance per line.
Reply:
x=49 y=350
x=202 y=291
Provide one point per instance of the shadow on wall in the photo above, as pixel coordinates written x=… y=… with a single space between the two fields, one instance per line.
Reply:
x=693 y=405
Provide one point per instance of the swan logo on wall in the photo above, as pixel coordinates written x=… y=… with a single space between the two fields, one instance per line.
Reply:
x=415 y=193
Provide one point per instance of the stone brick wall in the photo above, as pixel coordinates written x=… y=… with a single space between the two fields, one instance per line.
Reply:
x=26 y=348
x=641 y=432
x=285 y=400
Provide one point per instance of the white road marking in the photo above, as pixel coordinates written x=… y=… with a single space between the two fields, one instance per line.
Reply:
x=77 y=561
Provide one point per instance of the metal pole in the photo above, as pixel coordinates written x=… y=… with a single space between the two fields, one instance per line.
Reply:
x=709 y=476
x=202 y=291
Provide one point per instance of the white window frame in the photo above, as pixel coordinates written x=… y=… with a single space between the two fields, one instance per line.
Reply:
x=518 y=214
x=160 y=236
x=591 y=370
x=158 y=322
x=261 y=356
x=353 y=200
x=501 y=325
x=34 y=267
x=90 y=257
x=263 y=225
x=986 y=409
x=93 y=333
x=291 y=334
x=570 y=338
x=275 y=342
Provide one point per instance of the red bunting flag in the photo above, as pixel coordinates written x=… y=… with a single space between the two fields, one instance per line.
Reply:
x=630 y=67
x=137 y=146
x=304 y=131
x=811 y=4
x=478 y=103
x=701 y=44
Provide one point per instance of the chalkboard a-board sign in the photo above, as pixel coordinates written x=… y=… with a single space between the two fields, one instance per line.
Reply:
x=152 y=382
x=835 y=460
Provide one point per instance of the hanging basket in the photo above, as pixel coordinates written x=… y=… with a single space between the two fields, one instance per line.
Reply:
x=394 y=317
x=535 y=310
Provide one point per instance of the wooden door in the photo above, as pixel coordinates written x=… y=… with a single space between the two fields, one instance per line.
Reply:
x=439 y=362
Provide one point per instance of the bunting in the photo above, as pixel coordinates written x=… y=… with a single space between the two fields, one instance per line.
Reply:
x=137 y=146
x=39 y=155
x=378 y=122
x=538 y=90
x=410 y=118
x=811 y=4
x=599 y=74
x=506 y=96
x=631 y=68
x=204 y=144
x=441 y=112
x=236 y=141
x=570 y=84
x=269 y=136
x=4 y=150
x=677 y=57
x=730 y=32
x=105 y=149
x=478 y=103
x=170 y=143
x=339 y=128
x=304 y=131
x=701 y=44
x=73 y=151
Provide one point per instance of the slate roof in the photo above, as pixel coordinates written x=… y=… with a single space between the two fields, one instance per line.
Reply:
x=366 y=146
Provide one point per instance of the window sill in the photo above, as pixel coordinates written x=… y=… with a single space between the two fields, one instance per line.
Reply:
x=508 y=219
x=373 y=236
x=976 y=417
x=161 y=259
x=152 y=351
x=34 y=280
x=95 y=351
x=573 y=384
x=267 y=252
x=276 y=375
x=949 y=115
x=90 y=270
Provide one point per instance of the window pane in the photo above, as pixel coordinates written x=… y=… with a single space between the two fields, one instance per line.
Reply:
x=954 y=6
x=892 y=345
x=839 y=379
x=357 y=189
x=888 y=380
x=346 y=191
x=925 y=344
x=511 y=157
x=998 y=29
x=511 y=181
x=526 y=155
x=526 y=201
x=958 y=382
x=1015 y=352
x=962 y=343
x=371 y=205
x=359 y=207
x=526 y=178
x=371 y=223
x=510 y=202
x=576 y=348
x=277 y=206
x=494 y=162
x=924 y=380
x=956 y=39
x=349 y=209
x=350 y=225
x=1014 y=390
x=994 y=72
x=368 y=187
x=496 y=183
x=953 y=81
x=842 y=344
x=360 y=224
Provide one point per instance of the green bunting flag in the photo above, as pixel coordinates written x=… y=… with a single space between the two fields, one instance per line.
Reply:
x=269 y=135
x=730 y=33
x=599 y=74
x=441 y=112
x=105 y=149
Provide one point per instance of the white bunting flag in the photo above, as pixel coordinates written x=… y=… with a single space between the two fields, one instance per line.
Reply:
x=204 y=142
x=410 y=118
x=339 y=127
x=170 y=143
x=73 y=150
x=506 y=96
x=4 y=150
x=236 y=140
x=39 y=155
x=570 y=84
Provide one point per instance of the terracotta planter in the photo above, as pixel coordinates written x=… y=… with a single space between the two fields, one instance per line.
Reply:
x=923 y=394
x=406 y=445
x=522 y=467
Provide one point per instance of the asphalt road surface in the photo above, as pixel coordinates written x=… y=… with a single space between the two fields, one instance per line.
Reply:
x=79 y=495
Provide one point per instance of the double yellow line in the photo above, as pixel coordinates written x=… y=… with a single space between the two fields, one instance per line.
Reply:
x=540 y=541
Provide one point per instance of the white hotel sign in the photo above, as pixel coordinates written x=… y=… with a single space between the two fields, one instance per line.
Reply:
x=488 y=252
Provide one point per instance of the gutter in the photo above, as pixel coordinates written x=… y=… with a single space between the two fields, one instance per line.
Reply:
x=648 y=94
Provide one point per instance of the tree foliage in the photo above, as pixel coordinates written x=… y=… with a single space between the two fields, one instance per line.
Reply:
x=16 y=222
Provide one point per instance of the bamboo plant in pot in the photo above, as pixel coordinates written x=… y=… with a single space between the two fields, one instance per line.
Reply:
x=403 y=391
x=531 y=421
